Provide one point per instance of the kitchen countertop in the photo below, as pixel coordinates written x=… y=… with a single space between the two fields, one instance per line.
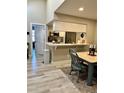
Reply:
x=67 y=44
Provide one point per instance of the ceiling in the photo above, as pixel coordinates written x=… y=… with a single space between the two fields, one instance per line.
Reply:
x=70 y=7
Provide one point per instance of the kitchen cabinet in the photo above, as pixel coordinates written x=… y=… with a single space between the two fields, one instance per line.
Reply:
x=68 y=27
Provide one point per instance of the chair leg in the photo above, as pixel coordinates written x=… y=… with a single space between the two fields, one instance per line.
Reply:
x=70 y=71
x=78 y=73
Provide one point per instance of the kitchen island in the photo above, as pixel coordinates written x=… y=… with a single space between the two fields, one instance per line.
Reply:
x=59 y=53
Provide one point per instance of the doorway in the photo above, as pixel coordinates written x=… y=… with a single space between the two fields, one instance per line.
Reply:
x=38 y=33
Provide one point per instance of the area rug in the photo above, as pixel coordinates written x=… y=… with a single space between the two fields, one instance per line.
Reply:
x=82 y=86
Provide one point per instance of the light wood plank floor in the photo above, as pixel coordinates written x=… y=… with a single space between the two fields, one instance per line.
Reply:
x=50 y=78
x=47 y=79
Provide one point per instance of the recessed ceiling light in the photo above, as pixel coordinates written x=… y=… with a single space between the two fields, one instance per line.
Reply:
x=81 y=9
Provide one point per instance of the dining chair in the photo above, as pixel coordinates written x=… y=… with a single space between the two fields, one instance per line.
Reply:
x=76 y=64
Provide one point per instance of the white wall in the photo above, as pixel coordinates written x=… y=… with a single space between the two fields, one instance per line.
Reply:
x=62 y=34
x=91 y=25
x=36 y=12
x=95 y=35
x=52 y=5
x=50 y=28
x=78 y=36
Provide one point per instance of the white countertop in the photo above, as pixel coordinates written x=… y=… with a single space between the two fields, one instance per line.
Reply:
x=67 y=44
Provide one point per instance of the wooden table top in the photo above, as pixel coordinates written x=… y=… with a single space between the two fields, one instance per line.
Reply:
x=87 y=57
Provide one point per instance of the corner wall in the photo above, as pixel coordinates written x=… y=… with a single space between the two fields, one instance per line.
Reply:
x=52 y=5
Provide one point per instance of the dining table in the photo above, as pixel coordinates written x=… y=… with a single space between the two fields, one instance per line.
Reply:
x=91 y=61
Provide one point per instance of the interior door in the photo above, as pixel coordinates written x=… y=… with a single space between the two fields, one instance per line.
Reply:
x=39 y=39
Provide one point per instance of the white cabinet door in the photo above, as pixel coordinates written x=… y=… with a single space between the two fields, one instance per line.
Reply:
x=70 y=27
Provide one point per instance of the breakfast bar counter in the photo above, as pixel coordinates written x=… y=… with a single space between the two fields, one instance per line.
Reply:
x=68 y=44
x=60 y=52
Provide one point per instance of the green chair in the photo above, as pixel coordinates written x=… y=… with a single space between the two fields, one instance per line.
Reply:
x=76 y=64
